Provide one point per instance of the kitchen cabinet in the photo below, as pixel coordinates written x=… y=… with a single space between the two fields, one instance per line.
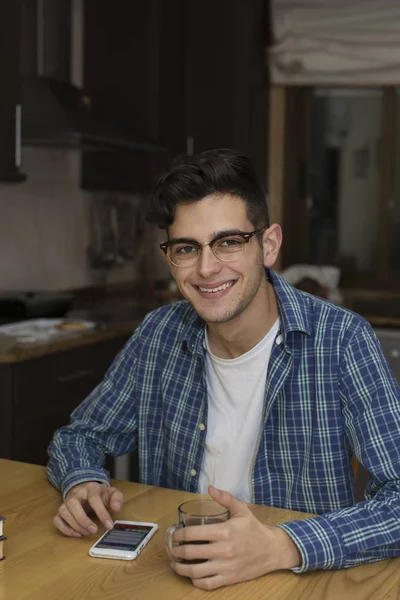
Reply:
x=190 y=76
x=121 y=53
x=38 y=395
x=213 y=79
x=10 y=36
x=225 y=77
x=28 y=46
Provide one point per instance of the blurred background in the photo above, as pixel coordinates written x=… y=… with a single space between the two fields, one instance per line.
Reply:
x=98 y=96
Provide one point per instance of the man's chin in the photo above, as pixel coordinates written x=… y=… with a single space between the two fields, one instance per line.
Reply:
x=217 y=311
x=214 y=315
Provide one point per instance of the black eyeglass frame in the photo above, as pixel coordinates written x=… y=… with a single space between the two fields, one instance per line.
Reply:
x=246 y=235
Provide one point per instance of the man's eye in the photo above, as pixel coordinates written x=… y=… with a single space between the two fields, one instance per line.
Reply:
x=230 y=242
x=180 y=250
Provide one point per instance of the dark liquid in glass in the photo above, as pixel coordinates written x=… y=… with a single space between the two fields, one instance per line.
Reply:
x=190 y=523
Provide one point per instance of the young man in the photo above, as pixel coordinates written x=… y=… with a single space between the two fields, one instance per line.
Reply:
x=249 y=385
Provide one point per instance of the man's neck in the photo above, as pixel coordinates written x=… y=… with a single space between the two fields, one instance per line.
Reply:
x=238 y=336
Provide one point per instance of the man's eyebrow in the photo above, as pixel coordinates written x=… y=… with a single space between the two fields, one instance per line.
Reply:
x=215 y=236
x=183 y=240
x=226 y=232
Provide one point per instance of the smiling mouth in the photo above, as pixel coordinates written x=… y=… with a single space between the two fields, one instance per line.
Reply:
x=224 y=286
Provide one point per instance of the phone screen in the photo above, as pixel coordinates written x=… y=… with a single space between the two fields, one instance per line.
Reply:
x=124 y=536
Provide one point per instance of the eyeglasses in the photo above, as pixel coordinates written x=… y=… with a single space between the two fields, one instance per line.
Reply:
x=227 y=247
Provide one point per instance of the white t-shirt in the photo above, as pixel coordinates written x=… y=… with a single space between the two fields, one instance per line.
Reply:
x=235 y=391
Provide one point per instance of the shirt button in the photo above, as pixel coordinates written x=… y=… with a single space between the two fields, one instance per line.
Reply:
x=202 y=427
x=279 y=339
x=193 y=472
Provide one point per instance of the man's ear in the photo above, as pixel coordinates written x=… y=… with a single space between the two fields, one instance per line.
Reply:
x=272 y=240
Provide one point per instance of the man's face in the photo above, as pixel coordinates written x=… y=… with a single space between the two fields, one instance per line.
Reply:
x=240 y=281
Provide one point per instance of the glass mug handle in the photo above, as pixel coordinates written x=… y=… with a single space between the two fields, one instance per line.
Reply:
x=168 y=540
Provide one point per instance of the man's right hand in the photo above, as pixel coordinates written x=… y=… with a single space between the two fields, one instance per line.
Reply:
x=72 y=517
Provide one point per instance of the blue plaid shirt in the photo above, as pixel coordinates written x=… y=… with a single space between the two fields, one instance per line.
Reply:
x=329 y=393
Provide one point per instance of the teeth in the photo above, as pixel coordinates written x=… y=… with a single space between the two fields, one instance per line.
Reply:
x=217 y=289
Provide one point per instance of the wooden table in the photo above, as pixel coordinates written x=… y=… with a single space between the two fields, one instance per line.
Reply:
x=42 y=564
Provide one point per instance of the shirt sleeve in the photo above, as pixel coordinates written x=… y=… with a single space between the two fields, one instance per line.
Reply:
x=104 y=423
x=369 y=530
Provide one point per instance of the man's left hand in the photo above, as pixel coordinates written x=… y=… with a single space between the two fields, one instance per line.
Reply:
x=240 y=549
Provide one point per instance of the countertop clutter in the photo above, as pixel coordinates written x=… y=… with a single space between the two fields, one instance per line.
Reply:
x=100 y=314
x=96 y=315
x=16 y=349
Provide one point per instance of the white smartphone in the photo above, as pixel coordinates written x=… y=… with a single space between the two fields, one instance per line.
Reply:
x=124 y=541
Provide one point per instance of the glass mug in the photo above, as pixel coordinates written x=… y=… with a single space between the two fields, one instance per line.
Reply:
x=195 y=512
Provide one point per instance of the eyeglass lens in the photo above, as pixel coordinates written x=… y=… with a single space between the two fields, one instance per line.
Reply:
x=226 y=249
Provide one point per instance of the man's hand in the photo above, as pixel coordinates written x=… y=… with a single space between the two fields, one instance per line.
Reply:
x=238 y=550
x=72 y=518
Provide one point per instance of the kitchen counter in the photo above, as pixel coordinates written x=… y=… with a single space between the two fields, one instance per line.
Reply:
x=380 y=308
x=118 y=310
x=380 y=321
x=12 y=350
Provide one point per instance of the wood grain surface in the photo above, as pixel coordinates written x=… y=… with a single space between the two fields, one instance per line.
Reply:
x=13 y=350
x=42 y=564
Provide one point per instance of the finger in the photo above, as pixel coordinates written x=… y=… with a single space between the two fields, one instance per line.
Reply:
x=200 y=533
x=62 y=526
x=115 y=499
x=198 y=551
x=97 y=504
x=235 y=506
x=208 y=568
x=70 y=514
x=74 y=514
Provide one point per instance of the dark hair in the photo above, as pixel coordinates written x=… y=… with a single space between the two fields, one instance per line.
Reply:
x=191 y=178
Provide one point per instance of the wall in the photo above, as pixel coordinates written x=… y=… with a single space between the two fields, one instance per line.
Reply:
x=44 y=228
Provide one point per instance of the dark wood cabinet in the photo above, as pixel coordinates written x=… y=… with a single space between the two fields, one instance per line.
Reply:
x=10 y=36
x=190 y=76
x=225 y=77
x=213 y=80
x=185 y=75
x=38 y=396
x=121 y=75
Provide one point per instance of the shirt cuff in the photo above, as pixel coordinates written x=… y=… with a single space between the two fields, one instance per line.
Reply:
x=319 y=543
x=82 y=476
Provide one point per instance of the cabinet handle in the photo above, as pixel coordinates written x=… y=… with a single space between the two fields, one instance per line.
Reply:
x=190 y=145
x=395 y=353
x=77 y=375
x=18 y=135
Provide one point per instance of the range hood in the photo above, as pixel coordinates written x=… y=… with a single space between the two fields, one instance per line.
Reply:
x=57 y=114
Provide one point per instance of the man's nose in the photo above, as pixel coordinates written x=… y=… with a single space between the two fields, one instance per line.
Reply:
x=208 y=263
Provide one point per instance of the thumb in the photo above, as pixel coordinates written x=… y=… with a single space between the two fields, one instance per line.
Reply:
x=235 y=506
